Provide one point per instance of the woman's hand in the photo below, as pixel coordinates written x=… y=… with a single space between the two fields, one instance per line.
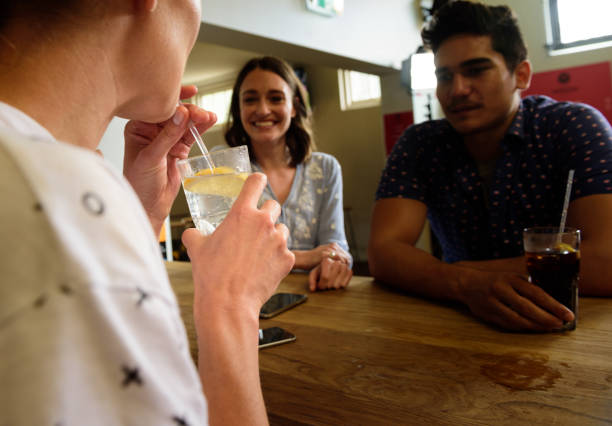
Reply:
x=329 y=275
x=308 y=259
x=332 y=268
x=151 y=153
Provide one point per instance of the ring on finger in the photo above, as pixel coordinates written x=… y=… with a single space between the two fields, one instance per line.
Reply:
x=332 y=254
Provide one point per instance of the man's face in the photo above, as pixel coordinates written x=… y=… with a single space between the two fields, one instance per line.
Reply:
x=475 y=88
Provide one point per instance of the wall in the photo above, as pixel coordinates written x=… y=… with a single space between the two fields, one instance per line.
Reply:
x=354 y=137
x=356 y=34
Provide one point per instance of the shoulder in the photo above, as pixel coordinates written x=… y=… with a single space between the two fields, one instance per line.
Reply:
x=544 y=107
x=323 y=159
x=326 y=163
x=424 y=134
x=421 y=142
x=322 y=167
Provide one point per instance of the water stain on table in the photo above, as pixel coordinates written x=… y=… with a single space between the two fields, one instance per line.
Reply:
x=519 y=371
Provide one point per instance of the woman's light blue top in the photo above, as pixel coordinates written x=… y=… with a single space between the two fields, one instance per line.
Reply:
x=313 y=210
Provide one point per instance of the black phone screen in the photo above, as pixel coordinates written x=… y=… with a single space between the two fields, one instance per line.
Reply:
x=280 y=302
x=274 y=336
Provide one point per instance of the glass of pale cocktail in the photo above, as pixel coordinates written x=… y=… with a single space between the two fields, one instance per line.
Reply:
x=212 y=183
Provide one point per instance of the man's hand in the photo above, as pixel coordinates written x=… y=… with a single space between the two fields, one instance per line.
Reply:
x=151 y=153
x=511 y=302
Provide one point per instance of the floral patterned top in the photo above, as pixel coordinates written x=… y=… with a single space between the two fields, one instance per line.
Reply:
x=313 y=210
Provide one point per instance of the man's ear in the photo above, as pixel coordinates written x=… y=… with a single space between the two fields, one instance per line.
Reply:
x=523 y=75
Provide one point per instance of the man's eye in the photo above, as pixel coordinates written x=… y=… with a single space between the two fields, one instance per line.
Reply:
x=444 y=77
x=473 y=72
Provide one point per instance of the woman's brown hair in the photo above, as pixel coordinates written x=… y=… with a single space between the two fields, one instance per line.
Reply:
x=299 y=138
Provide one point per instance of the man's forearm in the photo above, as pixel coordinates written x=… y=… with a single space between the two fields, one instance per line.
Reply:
x=407 y=267
x=511 y=264
x=595 y=270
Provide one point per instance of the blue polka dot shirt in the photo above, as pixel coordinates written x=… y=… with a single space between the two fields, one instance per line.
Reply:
x=430 y=163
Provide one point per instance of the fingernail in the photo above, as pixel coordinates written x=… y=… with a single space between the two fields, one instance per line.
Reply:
x=178 y=117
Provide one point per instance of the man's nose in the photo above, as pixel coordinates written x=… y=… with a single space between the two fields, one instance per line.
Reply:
x=461 y=85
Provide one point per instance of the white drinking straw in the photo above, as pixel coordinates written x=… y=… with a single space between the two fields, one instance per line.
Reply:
x=200 y=142
x=568 y=190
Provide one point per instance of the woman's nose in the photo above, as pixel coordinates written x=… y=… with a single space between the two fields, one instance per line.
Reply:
x=262 y=108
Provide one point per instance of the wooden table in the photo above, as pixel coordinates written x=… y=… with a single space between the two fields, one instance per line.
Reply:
x=368 y=355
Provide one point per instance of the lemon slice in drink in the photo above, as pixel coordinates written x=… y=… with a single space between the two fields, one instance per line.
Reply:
x=563 y=247
x=223 y=181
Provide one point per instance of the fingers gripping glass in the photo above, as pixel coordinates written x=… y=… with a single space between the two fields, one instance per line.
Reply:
x=553 y=263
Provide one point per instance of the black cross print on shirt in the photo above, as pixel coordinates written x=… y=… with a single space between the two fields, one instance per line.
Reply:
x=143 y=296
x=130 y=375
x=179 y=421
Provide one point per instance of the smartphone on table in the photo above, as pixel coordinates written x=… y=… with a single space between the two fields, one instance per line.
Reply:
x=280 y=302
x=274 y=336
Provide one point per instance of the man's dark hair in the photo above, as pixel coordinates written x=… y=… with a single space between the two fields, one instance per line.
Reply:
x=467 y=17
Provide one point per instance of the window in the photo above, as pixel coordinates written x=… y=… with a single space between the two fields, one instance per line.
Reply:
x=579 y=25
x=216 y=100
x=358 y=90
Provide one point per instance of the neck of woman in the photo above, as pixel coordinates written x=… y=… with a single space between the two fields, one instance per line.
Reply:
x=272 y=156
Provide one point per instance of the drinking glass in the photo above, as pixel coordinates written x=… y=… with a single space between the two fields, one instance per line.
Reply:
x=553 y=263
x=211 y=191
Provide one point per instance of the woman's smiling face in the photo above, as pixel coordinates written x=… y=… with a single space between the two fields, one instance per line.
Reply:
x=266 y=106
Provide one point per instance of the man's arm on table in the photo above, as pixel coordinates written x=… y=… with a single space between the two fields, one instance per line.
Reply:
x=593 y=216
x=503 y=298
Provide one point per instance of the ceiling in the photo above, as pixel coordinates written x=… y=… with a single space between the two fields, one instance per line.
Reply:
x=210 y=63
x=215 y=58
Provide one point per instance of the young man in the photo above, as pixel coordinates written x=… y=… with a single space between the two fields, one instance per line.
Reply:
x=495 y=165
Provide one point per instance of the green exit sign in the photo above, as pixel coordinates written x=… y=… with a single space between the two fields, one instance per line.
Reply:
x=326 y=7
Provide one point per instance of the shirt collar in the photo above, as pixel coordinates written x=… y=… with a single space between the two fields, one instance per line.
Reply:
x=14 y=119
x=517 y=128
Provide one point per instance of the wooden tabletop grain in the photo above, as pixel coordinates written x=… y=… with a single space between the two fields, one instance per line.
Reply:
x=369 y=355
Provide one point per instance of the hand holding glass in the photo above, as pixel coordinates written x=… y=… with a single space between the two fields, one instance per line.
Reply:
x=553 y=263
x=210 y=192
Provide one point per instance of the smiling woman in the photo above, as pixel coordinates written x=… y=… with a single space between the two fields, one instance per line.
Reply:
x=270 y=113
